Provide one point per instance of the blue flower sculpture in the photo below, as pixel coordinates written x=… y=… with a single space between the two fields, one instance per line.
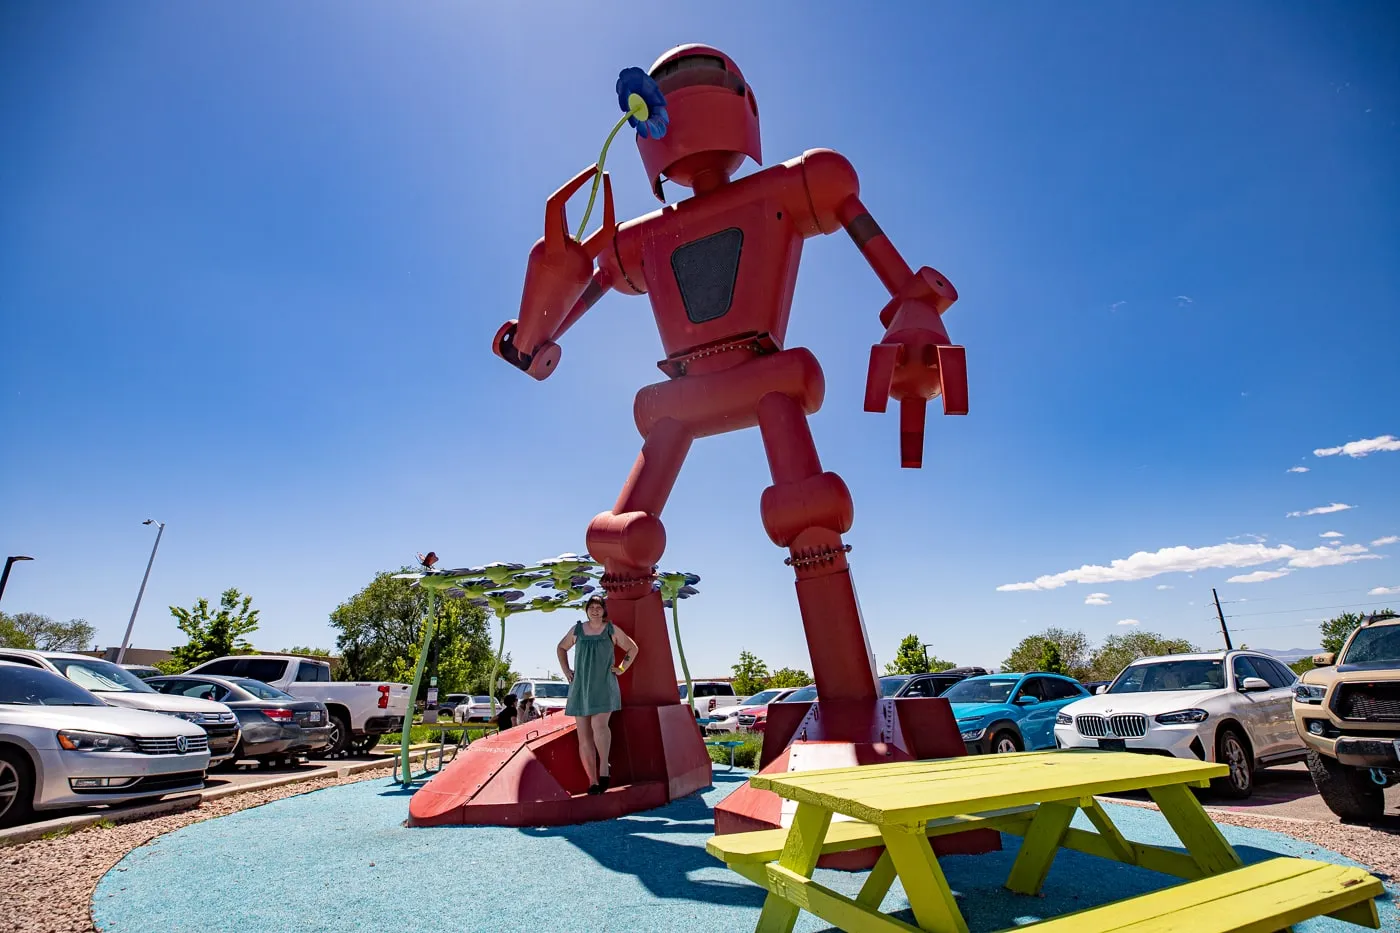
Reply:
x=641 y=99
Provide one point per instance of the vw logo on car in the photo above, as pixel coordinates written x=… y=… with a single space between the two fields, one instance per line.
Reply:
x=182 y=744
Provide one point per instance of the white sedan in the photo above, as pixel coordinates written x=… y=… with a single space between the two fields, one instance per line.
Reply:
x=61 y=746
x=1233 y=707
x=726 y=721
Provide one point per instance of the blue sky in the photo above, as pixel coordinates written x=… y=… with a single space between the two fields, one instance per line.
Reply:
x=252 y=258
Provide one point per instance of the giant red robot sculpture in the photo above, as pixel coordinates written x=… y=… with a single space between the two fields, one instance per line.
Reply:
x=719 y=268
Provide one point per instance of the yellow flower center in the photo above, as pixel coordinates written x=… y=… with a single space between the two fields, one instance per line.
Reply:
x=637 y=107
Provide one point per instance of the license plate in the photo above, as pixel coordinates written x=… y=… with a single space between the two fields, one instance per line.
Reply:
x=1113 y=745
x=314 y=717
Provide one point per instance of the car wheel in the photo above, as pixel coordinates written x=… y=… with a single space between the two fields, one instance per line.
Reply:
x=339 y=739
x=1348 y=792
x=16 y=787
x=1231 y=750
x=1005 y=742
x=364 y=744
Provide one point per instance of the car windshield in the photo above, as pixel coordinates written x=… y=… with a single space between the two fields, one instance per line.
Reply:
x=1162 y=676
x=30 y=686
x=1372 y=645
x=889 y=686
x=763 y=698
x=805 y=695
x=260 y=690
x=481 y=701
x=981 y=691
x=551 y=691
x=100 y=676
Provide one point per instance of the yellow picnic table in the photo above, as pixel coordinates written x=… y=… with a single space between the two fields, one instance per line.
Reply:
x=1034 y=795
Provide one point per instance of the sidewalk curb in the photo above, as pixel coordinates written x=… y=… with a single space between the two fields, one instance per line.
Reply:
x=29 y=832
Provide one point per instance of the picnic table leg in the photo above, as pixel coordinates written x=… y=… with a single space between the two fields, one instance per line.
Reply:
x=923 y=881
x=1038 y=848
x=800 y=854
x=1196 y=830
x=872 y=893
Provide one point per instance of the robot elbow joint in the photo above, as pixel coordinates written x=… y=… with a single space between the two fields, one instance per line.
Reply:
x=831 y=182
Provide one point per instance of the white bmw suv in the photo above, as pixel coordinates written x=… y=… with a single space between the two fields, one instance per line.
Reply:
x=1234 y=707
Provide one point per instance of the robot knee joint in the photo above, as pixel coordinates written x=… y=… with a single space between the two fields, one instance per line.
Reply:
x=820 y=501
x=636 y=539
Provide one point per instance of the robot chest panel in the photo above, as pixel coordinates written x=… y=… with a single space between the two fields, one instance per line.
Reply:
x=717 y=276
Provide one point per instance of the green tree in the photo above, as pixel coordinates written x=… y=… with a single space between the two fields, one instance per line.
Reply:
x=750 y=674
x=214 y=636
x=1302 y=666
x=40 y=633
x=1336 y=631
x=1073 y=648
x=1118 y=651
x=911 y=658
x=1050 y=660
x=789 y=677
x=314 y=652
x=380 y=631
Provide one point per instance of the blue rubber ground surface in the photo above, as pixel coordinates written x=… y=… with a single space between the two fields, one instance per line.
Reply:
x=341 y=860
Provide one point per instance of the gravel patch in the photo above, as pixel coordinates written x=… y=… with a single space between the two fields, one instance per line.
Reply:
x=49 y=883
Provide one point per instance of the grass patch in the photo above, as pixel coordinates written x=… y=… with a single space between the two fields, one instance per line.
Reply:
x=57 y=833
x=420 y=734
x=745 y=756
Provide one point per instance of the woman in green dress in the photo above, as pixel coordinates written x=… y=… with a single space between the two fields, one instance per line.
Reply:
x=593 y=690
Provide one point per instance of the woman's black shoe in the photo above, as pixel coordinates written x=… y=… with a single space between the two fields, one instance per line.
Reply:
x=594 y=790
x=602 y=784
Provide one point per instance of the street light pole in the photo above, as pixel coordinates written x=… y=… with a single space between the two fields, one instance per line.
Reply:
x=126 y=639
x=5 y=577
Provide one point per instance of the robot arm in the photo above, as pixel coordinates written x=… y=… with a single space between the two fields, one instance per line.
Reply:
x=915 y=361
x=560 y=283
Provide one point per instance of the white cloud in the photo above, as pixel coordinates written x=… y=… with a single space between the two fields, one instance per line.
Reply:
x=1097 y=599
x=1116 y=305
x=1258 y=576
x=1331 y=534
x=1384 y=591
x=1183 y=300
x=1297 y=469
x=1388 y=539
x=1164 y=586
x=1181 y=559
x=1129 y=622
x=1370 y=445
x=1323 y=510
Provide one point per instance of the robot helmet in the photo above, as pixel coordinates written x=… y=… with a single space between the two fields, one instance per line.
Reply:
x=714 y=117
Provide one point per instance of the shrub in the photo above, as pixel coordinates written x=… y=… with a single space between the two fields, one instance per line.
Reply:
x=745 y=756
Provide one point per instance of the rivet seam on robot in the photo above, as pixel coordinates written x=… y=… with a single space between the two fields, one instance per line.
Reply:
x=748 y=343
x=821 y=555
x=617 y=253
x=617 y=581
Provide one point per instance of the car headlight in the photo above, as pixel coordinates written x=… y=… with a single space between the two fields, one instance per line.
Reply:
x=1309 y=693
x=76 y=741
x=1063 y=719
x=1182 y=716
x=971 y=729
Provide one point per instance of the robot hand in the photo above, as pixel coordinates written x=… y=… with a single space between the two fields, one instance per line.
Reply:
x=916 y=361
x=539 y=363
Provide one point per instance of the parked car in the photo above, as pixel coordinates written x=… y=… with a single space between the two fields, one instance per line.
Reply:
x=1232 y=707
x=117 y=686
x=62 y=746
x=1002 y=713
x=144 y=671
x=726 y=721
x=710 y=695
x=550 y=695
x=360 y=712
x=1348 y=715
x=1093 y=685
x=473 y=709
x=276 y=726
x=758 y=721
x=925 y=685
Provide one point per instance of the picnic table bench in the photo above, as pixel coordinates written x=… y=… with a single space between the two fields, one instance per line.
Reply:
x=1035 y=795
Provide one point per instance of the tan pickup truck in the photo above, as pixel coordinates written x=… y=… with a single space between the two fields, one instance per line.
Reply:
x=1347 y=711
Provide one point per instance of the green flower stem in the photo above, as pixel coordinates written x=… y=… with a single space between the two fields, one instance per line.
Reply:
x=598 y=178
x=680 y=649
x=429 y=625
x=500 y=650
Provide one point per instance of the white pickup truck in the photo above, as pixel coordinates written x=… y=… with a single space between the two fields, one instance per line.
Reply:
x=711 y=695
x=360 y=712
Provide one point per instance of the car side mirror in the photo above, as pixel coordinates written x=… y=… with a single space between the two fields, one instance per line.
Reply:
x=1325 y=659
x=1101 y=688
x=1026 y=701
x=1253 y=684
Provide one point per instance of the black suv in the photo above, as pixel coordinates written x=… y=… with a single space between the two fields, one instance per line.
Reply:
x=925 y=685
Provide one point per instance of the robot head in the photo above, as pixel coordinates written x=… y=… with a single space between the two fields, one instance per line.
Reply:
x=714 y=118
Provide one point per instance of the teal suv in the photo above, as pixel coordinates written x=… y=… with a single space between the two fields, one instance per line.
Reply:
x=1010 y=712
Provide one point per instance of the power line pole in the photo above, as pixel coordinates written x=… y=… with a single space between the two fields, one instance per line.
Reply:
x=1223 y=629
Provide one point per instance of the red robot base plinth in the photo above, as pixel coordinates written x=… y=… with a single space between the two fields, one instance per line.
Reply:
x=531 y=775
x=845 y=733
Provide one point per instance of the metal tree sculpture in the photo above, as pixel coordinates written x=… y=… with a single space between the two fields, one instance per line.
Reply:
x=676 y=585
